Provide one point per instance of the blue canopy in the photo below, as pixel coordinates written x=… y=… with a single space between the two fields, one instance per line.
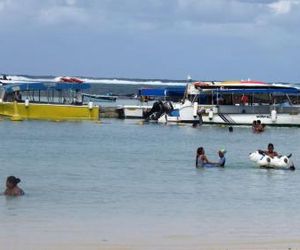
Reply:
x=172 y=91
x=74 y=86
x=36 y=86
x=152 y=92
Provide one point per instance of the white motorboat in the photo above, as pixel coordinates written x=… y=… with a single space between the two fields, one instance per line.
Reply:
x=146 y=98
x=236 y=103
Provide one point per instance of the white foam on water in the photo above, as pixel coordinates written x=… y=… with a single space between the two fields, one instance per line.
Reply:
x=16 y=78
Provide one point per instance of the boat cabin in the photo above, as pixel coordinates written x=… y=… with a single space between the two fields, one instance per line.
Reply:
x=59 y=93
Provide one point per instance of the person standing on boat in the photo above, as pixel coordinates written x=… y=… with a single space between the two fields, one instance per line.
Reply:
x=244 y=99
x=12 y=188
x=17 y=96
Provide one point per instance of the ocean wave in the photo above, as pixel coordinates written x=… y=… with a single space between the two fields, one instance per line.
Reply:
x=131 y=82
x=116 y=81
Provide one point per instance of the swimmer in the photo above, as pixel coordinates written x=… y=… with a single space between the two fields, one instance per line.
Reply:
x=201 y=158
x=12 y=188
x=222 y=159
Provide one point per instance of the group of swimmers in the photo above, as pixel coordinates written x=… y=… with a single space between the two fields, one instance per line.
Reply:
x=257 y=126
x=12 y=188
x=202 y=160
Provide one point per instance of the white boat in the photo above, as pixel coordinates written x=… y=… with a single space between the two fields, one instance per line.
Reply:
x=146 y=98
x=236 y=103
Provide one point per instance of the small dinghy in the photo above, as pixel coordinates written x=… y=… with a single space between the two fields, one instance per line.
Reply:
x=262 y=160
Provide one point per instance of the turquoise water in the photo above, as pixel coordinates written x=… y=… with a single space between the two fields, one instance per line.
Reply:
x=120 y=181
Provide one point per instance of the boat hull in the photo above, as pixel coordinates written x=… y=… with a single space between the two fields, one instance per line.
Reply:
x=234 y=115
x=38 y=111
x=134 y=111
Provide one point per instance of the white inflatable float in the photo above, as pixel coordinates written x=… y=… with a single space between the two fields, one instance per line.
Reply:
x=278 y=162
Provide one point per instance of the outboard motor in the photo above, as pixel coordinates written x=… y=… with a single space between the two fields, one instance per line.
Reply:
x=157 y=110
x=167 y=107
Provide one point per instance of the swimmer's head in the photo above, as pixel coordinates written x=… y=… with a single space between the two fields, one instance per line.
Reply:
x=222 y=152
x=12 y=181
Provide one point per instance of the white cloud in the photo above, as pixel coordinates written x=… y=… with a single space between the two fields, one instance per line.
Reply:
x=71 y=2
x=62 y=14
x=175 y=16
x=283 y=6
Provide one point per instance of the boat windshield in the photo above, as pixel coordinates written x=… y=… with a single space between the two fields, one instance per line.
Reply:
x=62 y=93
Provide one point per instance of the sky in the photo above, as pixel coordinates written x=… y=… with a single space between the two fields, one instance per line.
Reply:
x=165 y=39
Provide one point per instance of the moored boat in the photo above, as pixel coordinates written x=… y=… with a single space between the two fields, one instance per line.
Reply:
x=146 y=98
x=236 y=103
x=107 y=97
x=46 y=101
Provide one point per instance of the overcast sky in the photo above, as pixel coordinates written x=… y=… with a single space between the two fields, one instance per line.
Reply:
x=208 y=39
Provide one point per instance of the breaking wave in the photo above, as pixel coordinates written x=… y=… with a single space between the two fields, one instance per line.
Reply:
x=111 y=81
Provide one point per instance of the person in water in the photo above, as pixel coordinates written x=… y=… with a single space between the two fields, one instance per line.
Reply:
x=270 y=152
x=12 y=188
x=201 y=158
x=254 y=126
x=222 y=159
x=259 y=127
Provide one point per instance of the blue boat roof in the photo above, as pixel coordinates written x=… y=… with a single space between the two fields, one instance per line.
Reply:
x=179 y=91
x=162 y=92
x=44 y=86
x=289 y=90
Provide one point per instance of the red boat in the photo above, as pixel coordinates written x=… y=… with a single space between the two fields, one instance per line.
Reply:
x=69 y=79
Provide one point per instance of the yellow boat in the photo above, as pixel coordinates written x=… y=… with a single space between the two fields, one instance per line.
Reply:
x=41 y=101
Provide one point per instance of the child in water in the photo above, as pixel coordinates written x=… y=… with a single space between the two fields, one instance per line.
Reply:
x=222 y=159
x=12 y=188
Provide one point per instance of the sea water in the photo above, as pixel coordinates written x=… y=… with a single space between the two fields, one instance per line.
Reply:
x=122 y=181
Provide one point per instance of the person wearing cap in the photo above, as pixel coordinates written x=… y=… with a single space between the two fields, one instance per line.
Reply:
x=12 y=188
x=222 y=159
